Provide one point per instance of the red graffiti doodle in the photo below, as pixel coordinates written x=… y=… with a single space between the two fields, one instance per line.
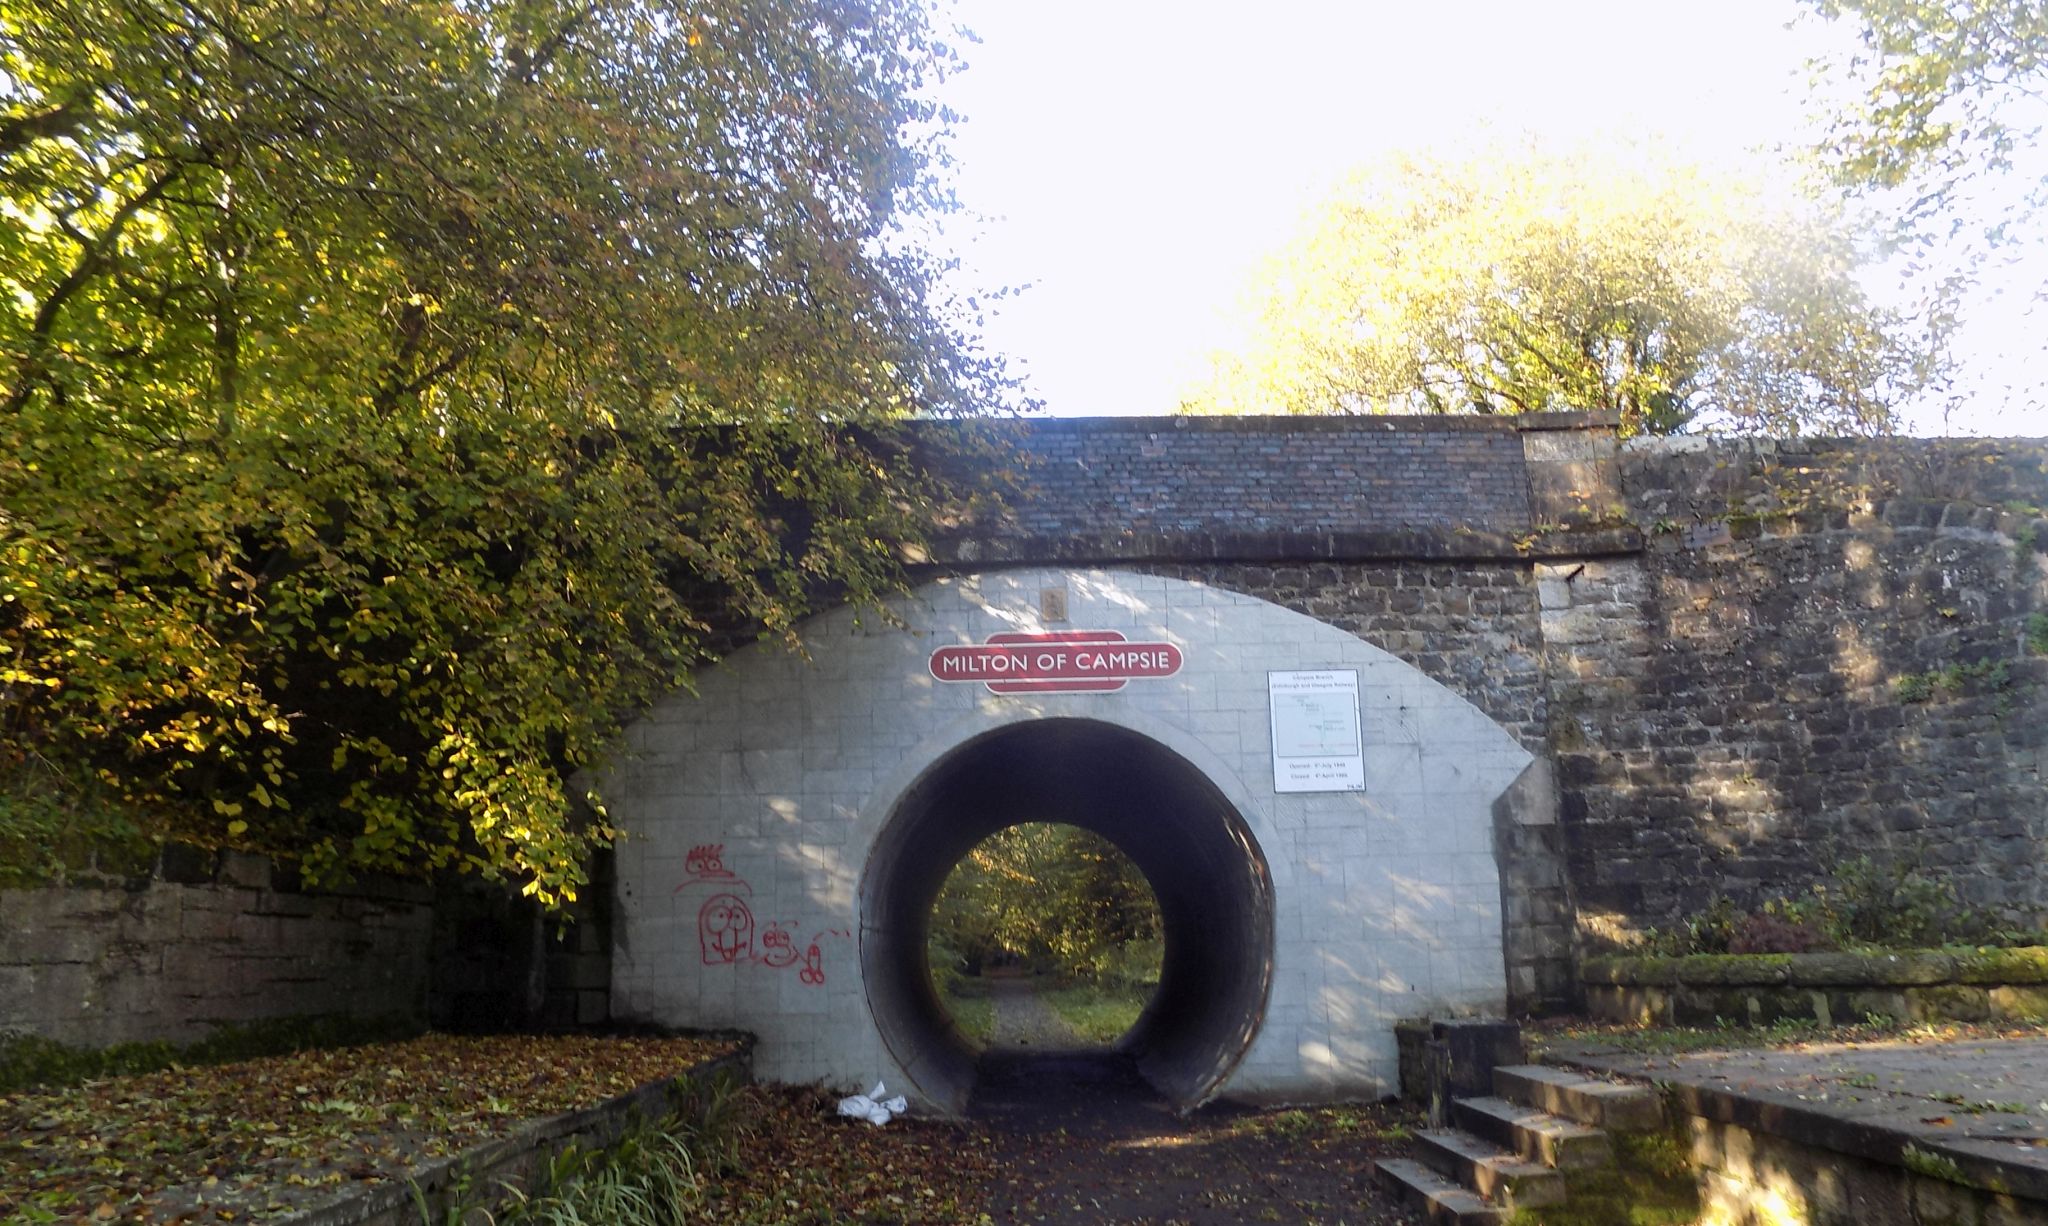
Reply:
x=725 y=928
x=778 y=948
x=707 y=860
x=813 y=973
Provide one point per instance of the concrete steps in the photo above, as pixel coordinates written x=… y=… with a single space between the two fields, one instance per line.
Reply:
x=1534 y=1134
x=1511 y=1150
x=1441 y=1202
x=1611 y=1105
x=1505 y=1179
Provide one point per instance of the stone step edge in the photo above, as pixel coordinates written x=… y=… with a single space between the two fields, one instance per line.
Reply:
x=1535 y=1134
x=1442 y=1202
x=1503 y=1178
x=1594 y=1102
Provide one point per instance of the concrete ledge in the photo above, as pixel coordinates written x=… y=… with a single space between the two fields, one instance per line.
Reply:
x=1855 y=1132
x=1752 y=1176
x=486 y=1169
x=1770 y=1115
x=1922 y=985
x=1310 y=423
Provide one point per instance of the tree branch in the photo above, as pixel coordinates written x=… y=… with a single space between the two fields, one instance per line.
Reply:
x=18 y=132
x=528 y=67
x=91 y=263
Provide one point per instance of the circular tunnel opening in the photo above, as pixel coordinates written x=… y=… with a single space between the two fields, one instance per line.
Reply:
x=1045 y=936
x=1207 y=873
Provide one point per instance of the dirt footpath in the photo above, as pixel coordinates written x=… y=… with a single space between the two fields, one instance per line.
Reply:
x=1079 y=1137
x=1023 y=1019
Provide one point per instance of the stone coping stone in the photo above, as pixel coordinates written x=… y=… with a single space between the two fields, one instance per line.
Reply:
x=514 y=1157
x=1289 y=423
x=1901 y=968
x=1406 y=544
x=1872 y=1100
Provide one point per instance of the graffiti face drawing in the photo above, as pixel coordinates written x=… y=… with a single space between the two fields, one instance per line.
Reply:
x=778 y=949
x=707 y=860
x=725 y=927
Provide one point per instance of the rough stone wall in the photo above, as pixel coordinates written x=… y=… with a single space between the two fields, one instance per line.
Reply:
x=206 y=941
x=1823 y=652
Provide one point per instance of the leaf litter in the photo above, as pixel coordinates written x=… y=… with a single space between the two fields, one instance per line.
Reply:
x=263 y=1139
x=260 y=1139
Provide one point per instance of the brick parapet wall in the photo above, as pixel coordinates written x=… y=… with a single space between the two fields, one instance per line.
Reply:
x=1084 y=490
x=1218 y=474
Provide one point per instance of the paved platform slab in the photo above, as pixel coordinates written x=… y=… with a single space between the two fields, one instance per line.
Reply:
x=1982 y=1103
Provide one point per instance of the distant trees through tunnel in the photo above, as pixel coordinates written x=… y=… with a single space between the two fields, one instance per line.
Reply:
x=1053 y=929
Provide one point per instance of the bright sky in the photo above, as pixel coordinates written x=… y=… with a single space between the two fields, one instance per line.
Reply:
x=1135 y=161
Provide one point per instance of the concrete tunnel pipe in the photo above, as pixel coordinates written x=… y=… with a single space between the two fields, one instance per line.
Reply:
x=1210 y=878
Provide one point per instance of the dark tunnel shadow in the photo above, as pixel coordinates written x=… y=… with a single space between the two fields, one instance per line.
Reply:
x=1210 y=879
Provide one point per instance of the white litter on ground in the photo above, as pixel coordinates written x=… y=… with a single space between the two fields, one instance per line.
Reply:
x=872 y=1107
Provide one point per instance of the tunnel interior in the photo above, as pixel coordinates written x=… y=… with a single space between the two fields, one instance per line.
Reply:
x=1214 y=892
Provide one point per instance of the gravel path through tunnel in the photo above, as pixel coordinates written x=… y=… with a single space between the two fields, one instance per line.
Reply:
x=1023 y=1019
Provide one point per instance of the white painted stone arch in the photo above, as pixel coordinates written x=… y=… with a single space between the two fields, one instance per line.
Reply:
x=1386 y=904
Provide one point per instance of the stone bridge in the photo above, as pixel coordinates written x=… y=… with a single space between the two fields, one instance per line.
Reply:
x=1392 y=713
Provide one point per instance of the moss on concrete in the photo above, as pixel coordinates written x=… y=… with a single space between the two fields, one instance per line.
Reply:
x=1650 y=1184
x=2026 y=964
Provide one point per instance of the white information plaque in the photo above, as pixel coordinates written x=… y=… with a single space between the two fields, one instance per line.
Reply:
x=1316 y=746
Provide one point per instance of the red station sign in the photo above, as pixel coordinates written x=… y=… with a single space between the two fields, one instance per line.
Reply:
x=1063 y=661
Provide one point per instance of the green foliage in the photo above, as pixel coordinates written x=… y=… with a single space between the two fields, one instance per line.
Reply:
x=61 y=825
x=1514 y=281
x=654 y=1172
x=1942 y=87
x=1865 y=902
x=2037 y=633
x=1939 y=132
x=1099 y=1013
x=33 y=1062
x=392 y=395
x=972 y=1011
x=1710 y=931
x=1051 y=896
x=1994 y=675
x=1932 y=1165
x=1892 y=903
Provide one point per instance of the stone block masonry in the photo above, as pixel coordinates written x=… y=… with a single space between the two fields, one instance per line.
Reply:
x=1826 y=650
x=206 y=941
